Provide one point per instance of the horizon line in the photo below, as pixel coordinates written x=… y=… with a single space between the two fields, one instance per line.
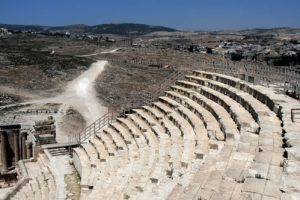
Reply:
x=165 y=26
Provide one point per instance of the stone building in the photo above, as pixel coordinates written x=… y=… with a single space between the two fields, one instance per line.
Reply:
x=14 y=146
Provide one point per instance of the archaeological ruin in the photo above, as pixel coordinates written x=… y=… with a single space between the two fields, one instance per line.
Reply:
x=141 y=112
x=216 y=132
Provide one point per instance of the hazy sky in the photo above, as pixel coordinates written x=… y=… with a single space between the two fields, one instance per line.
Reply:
x=179 y=14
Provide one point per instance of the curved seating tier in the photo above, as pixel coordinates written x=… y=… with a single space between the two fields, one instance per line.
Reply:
x=210 y=136
x=265 y=177
x=42 y=183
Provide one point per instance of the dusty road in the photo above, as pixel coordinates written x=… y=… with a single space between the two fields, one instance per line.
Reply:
x=103 y=52
x=79 y=94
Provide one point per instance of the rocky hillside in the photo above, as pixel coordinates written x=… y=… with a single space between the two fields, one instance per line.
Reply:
x=120 y=29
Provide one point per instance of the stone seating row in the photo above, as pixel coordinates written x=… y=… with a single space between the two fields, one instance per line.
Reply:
x=228 y=126
x=249 y=188
x=42 y=184
x=140 y=126
x=203 y=139
x=265 y=174
x=241 y=116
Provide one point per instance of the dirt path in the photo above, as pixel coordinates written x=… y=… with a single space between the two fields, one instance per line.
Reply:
x=103 y=52
x=79 y=94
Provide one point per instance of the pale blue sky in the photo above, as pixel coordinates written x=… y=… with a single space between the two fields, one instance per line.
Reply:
x=179 y=14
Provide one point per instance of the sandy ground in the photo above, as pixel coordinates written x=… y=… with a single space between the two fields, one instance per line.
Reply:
x=79 y=95
x=103 y=52
x=23 y=93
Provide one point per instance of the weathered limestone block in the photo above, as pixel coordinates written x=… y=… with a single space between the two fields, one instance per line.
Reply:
x=49 y=121
x=214 y=180
x=291 y=183
x=206 y=194
x=254 y=185
x=269 y=157
x=273 y=190
x=225 y=190
x=249 y=138
x=250 y=196
x=292 y=138
x=294 y=152
x=263 y=157
x=291 y=196
x=258 y=170
x=219 y=136
x=292 y=167
x=236 y=174
x=269 y=198
x=266 y=142
x=38 y=128
x=293 y=142
x=275 y=174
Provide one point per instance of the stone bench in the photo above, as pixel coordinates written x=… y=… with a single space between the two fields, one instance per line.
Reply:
x=42 y=184
x=228 y=126
x=133 y=130
x=143 y=127
x=196 y=123
x=247 y=163
x=116 y=137
x=127 y=137
x=82 y=165
x=208 y=119
x=108 y=142
x=102 y=154
x=43 y=187
x=241 y=116
x=270 y=141
x=141 y=140
x=141 y=178
x=154 y=116
x=186 y=130
x=244 y=98
x=158 y=173
x=163 y=138
x=174 y=134
x=270 y=125
x=26 y=192
x=91 y=153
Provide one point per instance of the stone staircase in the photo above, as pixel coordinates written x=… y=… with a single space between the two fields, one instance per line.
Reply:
x=210 y=136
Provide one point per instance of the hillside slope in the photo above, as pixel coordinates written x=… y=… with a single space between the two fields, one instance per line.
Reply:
x=120 y=29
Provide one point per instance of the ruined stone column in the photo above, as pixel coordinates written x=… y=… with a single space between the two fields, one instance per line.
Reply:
x=16 y=146
x=23 y=142
x=20 y=146
x=3 y=151
x=28 y=150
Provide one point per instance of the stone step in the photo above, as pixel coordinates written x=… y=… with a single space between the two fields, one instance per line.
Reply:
x=242 y=117
x=82 y=165
x=102 y=153
x=122 y=131
x=210 y=122
x=175 y=136
x=108 y=142
x=228 y=126
x=186 y=130
x=202 y=144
